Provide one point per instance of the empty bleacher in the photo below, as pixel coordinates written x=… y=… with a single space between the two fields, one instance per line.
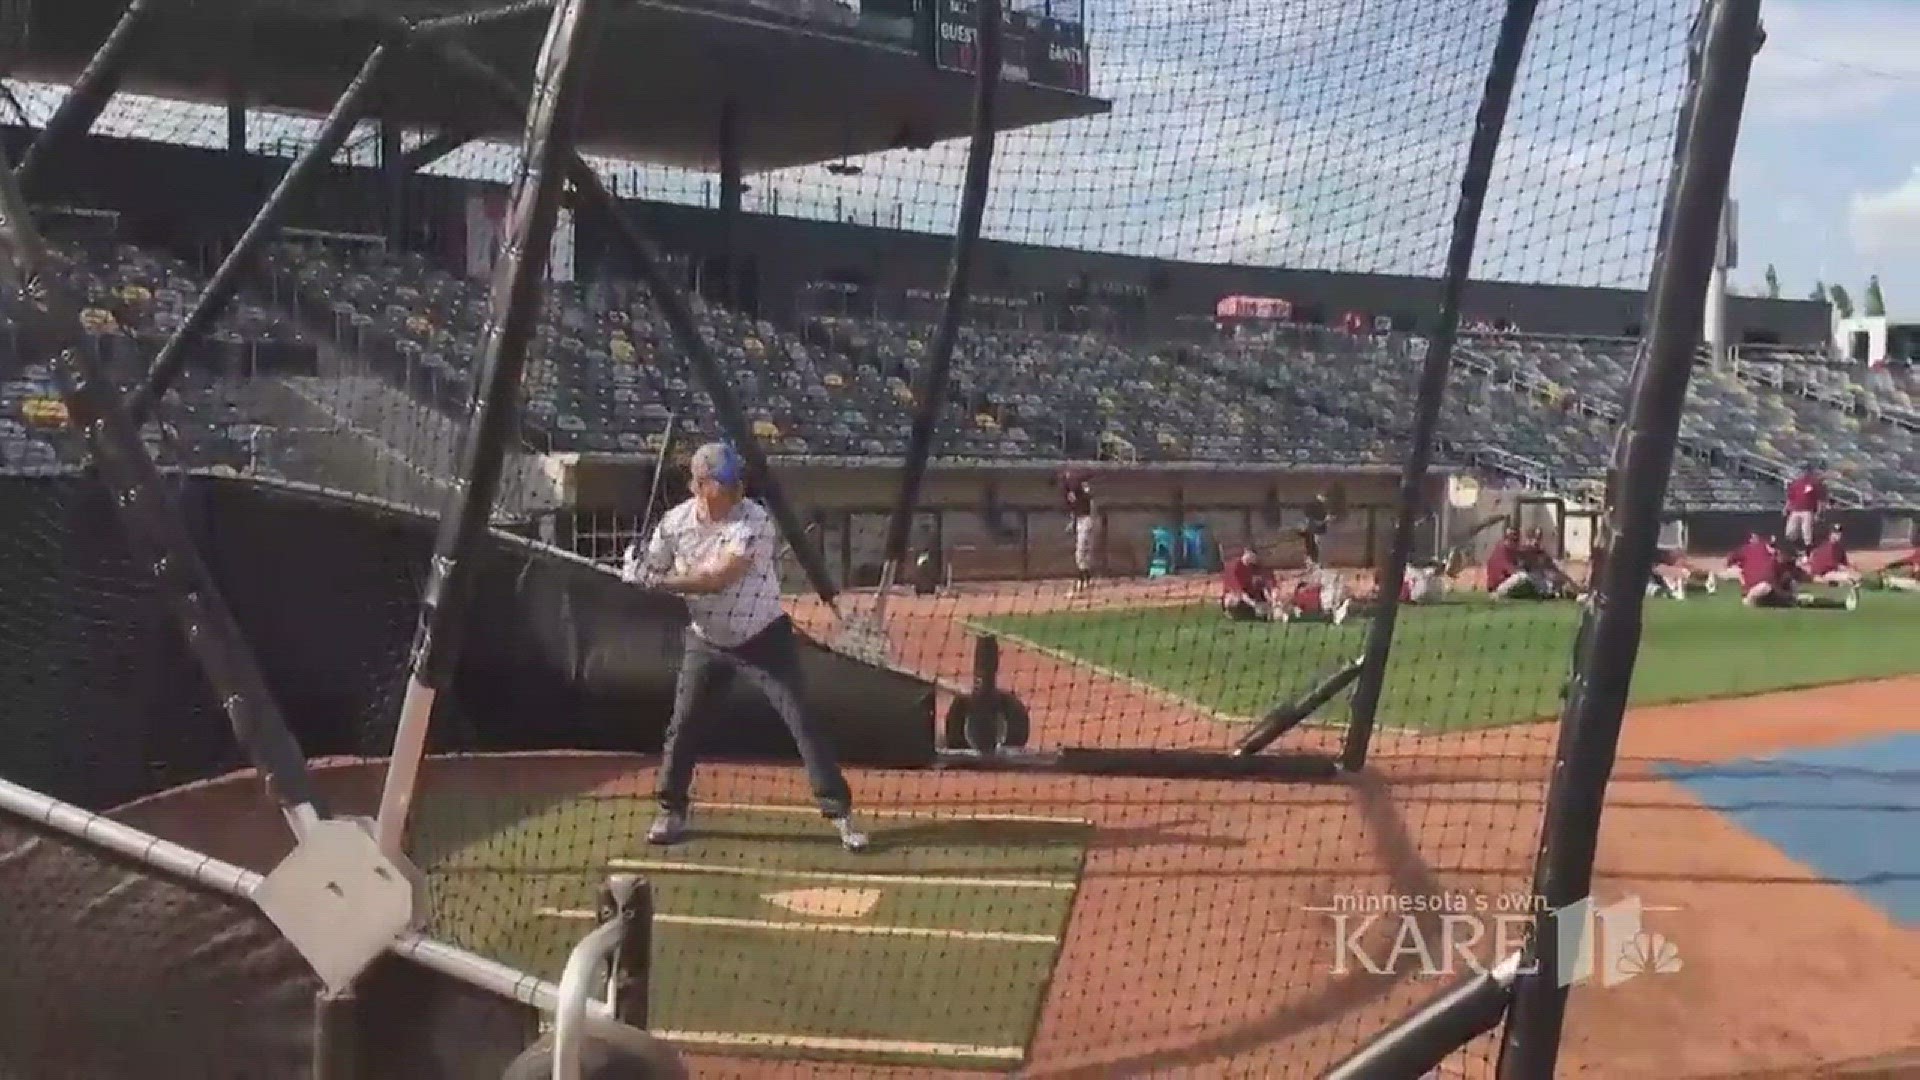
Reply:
x=385 y=346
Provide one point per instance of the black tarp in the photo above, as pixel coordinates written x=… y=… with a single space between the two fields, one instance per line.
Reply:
x=102 y=703
x=114 y=969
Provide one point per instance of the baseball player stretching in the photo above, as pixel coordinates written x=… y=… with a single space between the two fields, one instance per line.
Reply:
x=1077 y=491
x=1770 y=578
x=1318 y=595
x=1829 y=564
x=718 y=550
x=1903 y=573
x=1246 y=591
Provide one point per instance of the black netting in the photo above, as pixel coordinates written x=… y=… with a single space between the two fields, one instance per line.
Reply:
x=1120 y=780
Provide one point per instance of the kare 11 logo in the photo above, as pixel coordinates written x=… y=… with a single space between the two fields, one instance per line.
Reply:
x=1454 y=934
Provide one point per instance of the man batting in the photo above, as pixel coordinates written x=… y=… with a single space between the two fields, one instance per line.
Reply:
x=718 y=550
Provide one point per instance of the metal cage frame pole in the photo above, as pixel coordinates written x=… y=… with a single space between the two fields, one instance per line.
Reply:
x=1642 y=466
x=347 y=111
x=1446 y=1021
x=87 y=98
x=591 y=193
x=930 y=395
x=518 y=288
x=150 y=514
x=1503 y=70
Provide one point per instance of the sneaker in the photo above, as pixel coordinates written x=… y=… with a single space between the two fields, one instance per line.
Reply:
x=851 y=837
x=1679 y=592
x=1341 y=610
x=1853 y=598
x=668 y=829
x=1713 y=584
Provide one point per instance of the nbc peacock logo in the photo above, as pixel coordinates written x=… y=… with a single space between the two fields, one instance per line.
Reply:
x=1610 y=942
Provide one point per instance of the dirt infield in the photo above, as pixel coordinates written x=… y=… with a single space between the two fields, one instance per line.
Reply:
x=1192 y=949
x=1199 y=943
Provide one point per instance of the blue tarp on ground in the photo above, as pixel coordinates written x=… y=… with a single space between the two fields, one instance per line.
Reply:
x=1850 y=813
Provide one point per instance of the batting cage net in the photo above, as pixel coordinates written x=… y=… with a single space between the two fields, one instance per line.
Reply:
x=1164 y=536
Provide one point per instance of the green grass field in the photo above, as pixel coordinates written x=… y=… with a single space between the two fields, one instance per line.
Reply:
x=934 y=947
x=1472 y=663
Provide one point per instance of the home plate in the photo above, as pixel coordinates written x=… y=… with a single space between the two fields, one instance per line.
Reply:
x=826 y=903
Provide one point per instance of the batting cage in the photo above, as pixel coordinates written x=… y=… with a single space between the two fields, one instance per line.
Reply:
x=715 y=532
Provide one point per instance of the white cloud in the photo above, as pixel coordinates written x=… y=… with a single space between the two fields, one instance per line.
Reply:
x=1290 y=132
x=1836 y=57
x=1887 y=223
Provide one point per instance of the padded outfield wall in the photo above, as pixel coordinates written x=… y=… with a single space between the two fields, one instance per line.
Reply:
x=1006 y=521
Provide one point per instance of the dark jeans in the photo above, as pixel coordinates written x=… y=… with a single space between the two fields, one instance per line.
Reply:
x=770 y=660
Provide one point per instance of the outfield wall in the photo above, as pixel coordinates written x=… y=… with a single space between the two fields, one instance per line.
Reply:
x=1006 y=522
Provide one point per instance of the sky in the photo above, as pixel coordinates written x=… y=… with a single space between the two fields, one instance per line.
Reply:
x=1314 y=134
x=1828 y=173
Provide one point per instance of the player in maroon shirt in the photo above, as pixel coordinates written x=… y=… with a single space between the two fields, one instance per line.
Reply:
x=1537 y=560
x=1806 y=497
x=1319 y=595
x=1503 y=565
x=1774 y=582
x=1730 y=570
x=1828 y=563
x=1903 y=573
x=1522 y=570
x=1246 y=591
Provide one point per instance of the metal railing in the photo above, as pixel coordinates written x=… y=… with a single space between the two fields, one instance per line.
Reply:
x=615 y=957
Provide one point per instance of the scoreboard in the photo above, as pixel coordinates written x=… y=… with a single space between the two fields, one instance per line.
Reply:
x=1034 y=48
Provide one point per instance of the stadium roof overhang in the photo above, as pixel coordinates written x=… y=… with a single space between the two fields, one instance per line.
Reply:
x=660 y=76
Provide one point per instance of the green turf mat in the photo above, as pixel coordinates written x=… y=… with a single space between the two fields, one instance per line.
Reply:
x=935 y=947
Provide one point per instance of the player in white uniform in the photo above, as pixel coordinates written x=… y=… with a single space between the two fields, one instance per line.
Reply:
x=719 y=551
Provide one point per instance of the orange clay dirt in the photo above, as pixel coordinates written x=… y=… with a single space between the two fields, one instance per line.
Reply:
x=1192 y=949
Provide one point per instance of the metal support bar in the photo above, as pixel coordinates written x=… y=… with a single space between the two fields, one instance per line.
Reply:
x=436 y=147
x=732 y=186
x=1422 y=1039
x=629 y=899
x=236 y=120
x=49 y=321
x=166 y=857
x=591 y=193
x=393 y=181
x=1502 y=71
x=1642 y=466
x=667 y=440
x=518 y=285
x=335 y=1036
x=471 y=20
x=584 y=964
x=90 y=93
x=220 y=289
x=1289 y=715
x=930 y=395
